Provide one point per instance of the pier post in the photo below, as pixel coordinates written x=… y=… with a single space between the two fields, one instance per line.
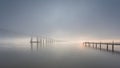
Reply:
x=113 y=46
x=31 y=44
x=85 y=44
x=100 y=45
x=107 y=46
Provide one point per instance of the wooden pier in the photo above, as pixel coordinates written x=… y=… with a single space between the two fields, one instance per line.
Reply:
x=96 y=44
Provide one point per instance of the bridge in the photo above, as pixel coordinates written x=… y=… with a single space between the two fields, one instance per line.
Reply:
x=42 y=42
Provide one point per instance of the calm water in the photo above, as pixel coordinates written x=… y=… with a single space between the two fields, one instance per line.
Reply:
x=56 y=56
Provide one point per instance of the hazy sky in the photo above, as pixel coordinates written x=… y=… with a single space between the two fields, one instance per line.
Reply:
x=83 y=19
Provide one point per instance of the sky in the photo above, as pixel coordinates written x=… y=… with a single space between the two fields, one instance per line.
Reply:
x=65 y=19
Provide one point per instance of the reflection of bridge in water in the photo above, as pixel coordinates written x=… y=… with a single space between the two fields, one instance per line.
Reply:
x=42 y=42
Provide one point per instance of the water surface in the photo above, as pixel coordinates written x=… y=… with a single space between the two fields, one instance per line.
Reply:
x=56 y=56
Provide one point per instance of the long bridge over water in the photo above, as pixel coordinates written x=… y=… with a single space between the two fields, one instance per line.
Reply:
x=42 y=42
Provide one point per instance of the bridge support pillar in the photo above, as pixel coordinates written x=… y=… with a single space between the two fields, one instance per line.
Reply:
x=96 y=45
x=100 y=46
x=88 y=44
x=112 y=47
x=93 y=45
x=85 y=44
